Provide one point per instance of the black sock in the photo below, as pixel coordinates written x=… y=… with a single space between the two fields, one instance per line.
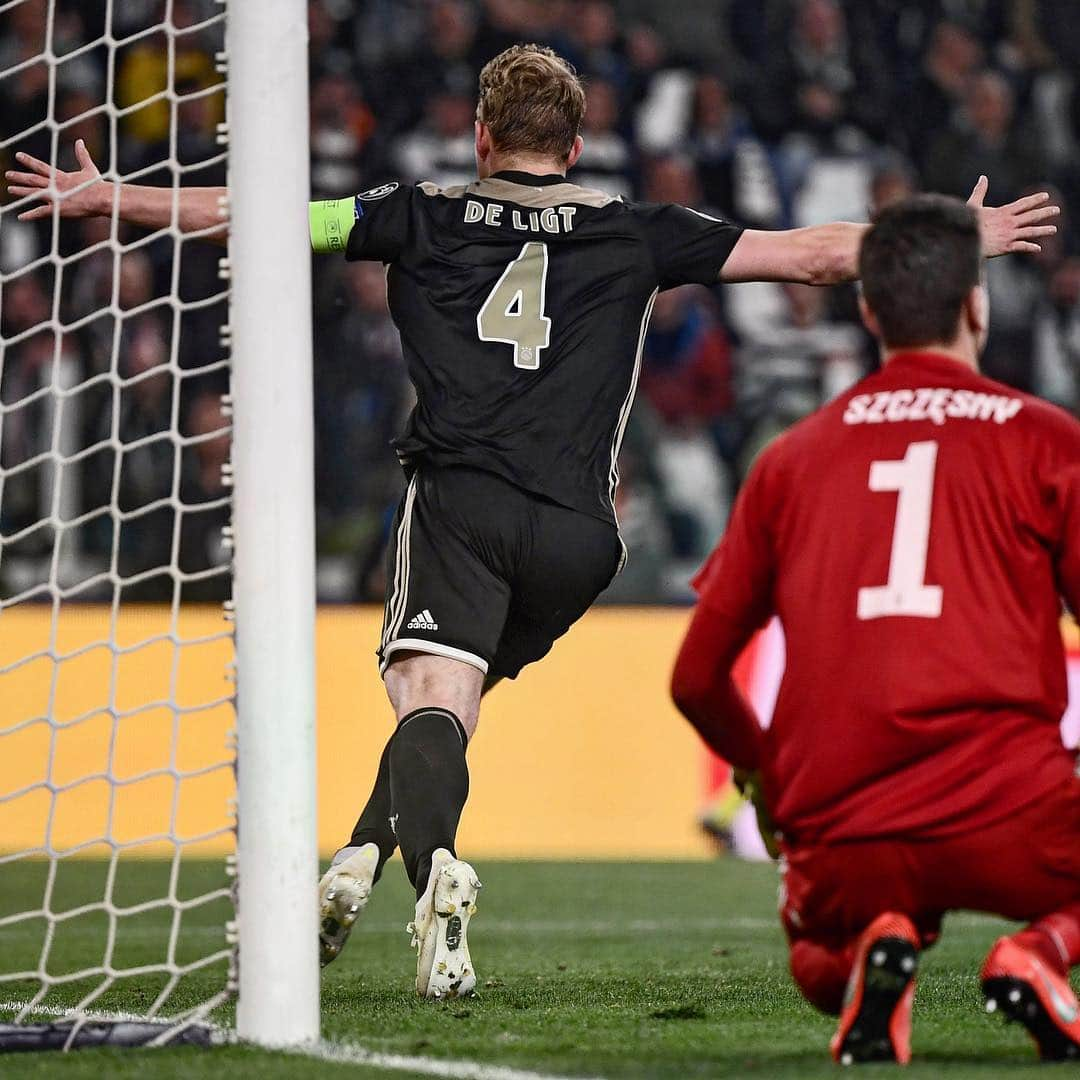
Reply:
x=430 y=783
x=373 y=826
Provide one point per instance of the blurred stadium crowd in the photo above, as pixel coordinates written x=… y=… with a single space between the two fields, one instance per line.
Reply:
x=777 y=113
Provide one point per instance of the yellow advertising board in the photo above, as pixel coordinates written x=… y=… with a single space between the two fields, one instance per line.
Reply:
x=582 y=756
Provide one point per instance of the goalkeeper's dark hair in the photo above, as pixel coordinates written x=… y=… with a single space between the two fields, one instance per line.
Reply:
x=918 y=263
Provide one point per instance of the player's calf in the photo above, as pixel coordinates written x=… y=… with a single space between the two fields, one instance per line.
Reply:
x=875 y=1023
x=1018 y=985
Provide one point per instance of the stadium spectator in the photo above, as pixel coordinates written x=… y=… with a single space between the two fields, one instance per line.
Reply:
x=686 y=372
x=794 y=354
x=441 y=150
x=1055 y=23
x=646 y=518
x=330 y=48
x=24 y=96
x=363 y=396
x=144 y=70
x=1057 y=337
x=448 y=53
x=25 y=432
x=660 y=92
x=985 y=139
x=686 y=376
x=146 y=461
x=892 y=181
x=504 y=22
x=595 y=44
x=342 y=127
x=734 y=165
x=822 y=82
x=1019 y=295
x=607 y=162
x=674 y=178
x=647 y=55
x=951 y=59
x=77 y=113
x=1034 y=343
x=821 y=101
x=203 y=492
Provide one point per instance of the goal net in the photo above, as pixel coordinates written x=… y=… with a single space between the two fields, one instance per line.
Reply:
x=117 y=823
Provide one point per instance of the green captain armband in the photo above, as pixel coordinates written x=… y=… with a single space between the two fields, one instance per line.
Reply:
x=330 y=221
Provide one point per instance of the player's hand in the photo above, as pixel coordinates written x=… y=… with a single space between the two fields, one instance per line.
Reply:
x=77 y=194
x=749 y=783
x=1016 y=227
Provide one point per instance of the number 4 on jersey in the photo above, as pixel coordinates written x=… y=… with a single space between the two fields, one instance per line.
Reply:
x=906 y=591
x=513 y=313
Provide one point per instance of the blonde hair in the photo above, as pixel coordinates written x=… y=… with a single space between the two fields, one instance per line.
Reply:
x=532 y=100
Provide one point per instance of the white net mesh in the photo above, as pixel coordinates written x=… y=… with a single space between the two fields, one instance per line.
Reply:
x=116 y=757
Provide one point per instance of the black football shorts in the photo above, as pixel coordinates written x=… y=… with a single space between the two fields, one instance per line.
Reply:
x=483 y=572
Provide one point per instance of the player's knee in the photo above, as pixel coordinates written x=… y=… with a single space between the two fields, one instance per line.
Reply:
x=820 y=975
x=417 y=681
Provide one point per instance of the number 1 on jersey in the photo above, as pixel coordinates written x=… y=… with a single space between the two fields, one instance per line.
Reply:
x=906 y=591
x=513 y=312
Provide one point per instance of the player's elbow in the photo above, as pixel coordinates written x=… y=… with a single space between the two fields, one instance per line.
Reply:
x=689 y=690
x=684 y=701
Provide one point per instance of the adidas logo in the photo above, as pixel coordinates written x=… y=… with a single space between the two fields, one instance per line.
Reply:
x=424 y=621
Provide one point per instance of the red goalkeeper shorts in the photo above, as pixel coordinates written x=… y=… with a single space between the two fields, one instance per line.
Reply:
x=1024 y=867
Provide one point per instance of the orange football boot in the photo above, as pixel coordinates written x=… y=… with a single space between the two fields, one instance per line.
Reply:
x=1021 y=987
x=875 y=1024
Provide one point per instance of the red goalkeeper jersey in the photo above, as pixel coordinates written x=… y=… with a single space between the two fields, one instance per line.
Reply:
x=916 y=538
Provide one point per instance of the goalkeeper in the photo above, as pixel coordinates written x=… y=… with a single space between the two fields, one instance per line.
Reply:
x=916 y=538
x=522 y=301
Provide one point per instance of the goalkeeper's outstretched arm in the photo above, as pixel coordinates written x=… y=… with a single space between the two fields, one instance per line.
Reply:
x=85 y=193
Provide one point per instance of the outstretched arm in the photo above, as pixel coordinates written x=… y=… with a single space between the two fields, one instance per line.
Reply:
x=829 y=254
x=816 y=255
x=84 y=193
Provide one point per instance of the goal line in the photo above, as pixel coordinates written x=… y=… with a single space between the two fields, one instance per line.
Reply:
x=343 y=1053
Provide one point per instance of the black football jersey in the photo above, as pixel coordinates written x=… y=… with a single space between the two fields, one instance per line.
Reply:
x=522 y=303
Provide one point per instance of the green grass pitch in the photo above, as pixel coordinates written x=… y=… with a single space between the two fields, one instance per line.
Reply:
x=586 y=969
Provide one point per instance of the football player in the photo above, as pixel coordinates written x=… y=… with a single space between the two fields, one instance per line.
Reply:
x=916 y=538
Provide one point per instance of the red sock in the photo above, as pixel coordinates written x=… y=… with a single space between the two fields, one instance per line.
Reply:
x=822 y=974
x=1055 y=939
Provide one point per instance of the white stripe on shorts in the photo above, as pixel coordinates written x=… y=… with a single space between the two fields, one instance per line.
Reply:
x=432 y=648
x=395 y=607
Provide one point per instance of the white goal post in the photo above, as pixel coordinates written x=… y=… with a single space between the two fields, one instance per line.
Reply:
x=120 y=456
x=274 y=520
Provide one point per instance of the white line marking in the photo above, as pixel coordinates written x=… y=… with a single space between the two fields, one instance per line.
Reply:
x=94 y=1014
x=352 y=1054
x=342 y=1053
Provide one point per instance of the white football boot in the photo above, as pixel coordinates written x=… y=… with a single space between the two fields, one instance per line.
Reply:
x=343 y=894
x=443 y=965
